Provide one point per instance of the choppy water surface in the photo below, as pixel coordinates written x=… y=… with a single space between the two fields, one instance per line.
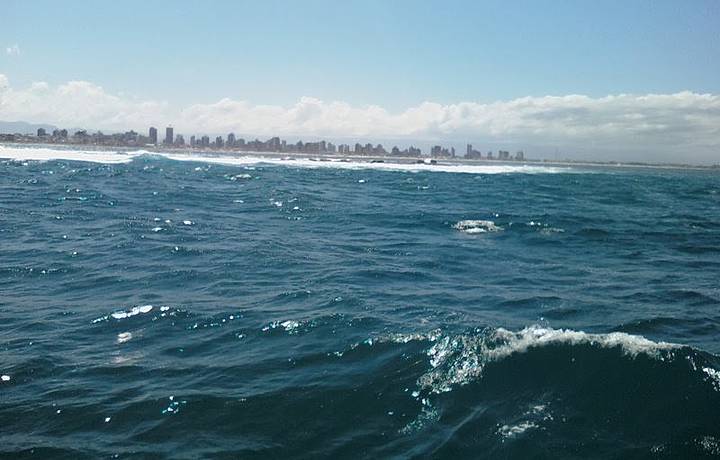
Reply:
x=156 y=308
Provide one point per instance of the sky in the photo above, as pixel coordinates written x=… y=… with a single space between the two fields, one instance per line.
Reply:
x=614 y=79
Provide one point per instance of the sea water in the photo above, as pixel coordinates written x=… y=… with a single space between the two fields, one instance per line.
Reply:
x=186 y=306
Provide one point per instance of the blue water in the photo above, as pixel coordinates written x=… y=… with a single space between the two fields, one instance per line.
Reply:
x=173 y=309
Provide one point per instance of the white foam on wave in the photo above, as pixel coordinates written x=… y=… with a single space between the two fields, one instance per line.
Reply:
x=36 y=153
x=360 y=164
x=511 y=431
x=460 y=359
x=134 y=311
x=290 y=326
x=48 y=154
x=124 y=337
x=714 y=376
x=537 y=336
x=457 y=360
x=476 y=226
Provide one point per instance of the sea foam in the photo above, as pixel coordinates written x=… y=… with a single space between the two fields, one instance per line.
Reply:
x=36 y=153
x=33 y=153
x=456 y=360
x=476 y=226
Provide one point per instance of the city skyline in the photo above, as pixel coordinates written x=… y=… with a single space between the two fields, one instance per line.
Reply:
x=597 y=81
x=46 y=135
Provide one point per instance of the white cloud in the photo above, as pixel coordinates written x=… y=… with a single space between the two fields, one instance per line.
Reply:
x=77 y=103
x=683 y=126
x=13 y=50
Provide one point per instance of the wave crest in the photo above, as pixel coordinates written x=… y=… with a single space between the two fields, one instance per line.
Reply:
x=458 y=360
x=476 y=226
x=35 y=153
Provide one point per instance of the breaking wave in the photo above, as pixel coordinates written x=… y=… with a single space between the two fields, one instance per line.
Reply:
x=34 y=153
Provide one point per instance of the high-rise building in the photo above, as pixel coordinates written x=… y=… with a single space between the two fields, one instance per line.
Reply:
x=41 y=132
x=169 y=135
x=153 y=135
x=274 y=144
x=231 y=140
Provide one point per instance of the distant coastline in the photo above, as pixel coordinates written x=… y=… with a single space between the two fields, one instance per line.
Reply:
x=275 y=147
x=388 y=158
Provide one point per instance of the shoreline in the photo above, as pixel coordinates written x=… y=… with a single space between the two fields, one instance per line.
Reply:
x=388 y=159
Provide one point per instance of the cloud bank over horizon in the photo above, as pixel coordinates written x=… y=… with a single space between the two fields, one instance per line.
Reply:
x=683 y=126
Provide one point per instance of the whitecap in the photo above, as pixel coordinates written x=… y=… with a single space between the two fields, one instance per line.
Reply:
x=250 y=159
x=34 y=153
x=460 y=359
x=714 y=376
x=240 y=176
x=510 y=431
x=132 y=312
x=289 y=326
x=537 y=336
x=476 y=226
x=5 y=378
x=124 y=337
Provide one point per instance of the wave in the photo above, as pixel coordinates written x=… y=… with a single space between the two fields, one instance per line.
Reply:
x=436 y=393
x=560 y=384
x=476 y=226
x=33 y=153
x=457 y=360
x=49 y=154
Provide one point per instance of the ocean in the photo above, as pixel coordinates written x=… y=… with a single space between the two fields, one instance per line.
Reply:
x=187 y=306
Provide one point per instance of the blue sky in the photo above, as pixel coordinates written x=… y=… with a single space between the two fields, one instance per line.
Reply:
x=609 y=78
x=394 y=53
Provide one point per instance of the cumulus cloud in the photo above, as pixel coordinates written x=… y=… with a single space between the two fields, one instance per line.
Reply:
x=12 y=50
x=681 y=126
x=77 y=103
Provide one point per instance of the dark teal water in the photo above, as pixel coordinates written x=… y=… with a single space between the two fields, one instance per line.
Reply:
x=169 y=309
